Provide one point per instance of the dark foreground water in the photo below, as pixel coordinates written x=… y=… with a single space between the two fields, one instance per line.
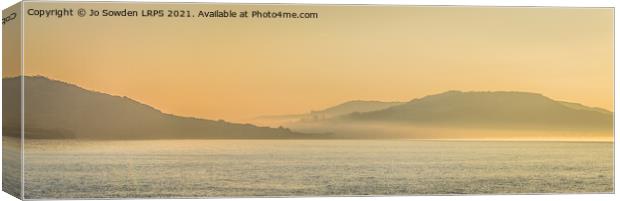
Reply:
x=201 y=168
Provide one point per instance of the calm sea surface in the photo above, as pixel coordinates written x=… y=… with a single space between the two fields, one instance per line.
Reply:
x=238 y=168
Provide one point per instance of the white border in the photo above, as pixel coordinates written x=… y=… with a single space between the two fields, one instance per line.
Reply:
x=23 y=126
x=567 y=3
x=564 y=3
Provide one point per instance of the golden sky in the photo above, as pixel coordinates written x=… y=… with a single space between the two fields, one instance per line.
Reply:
x=236 y=69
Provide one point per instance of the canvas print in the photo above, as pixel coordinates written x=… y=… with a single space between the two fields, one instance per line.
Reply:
x=162 y=100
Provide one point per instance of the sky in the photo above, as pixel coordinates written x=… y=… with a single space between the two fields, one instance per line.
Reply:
x=237 y=69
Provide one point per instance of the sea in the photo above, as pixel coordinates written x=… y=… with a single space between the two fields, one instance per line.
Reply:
x=301 y=168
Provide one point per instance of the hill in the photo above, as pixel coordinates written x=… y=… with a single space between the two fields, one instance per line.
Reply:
x=509 y=110
x=55 y=109
x=334 y=111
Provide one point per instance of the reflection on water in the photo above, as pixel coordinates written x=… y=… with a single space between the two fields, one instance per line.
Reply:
x=200 y=168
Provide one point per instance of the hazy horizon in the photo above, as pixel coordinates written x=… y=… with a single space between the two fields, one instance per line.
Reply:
x=237 y=69
x=449 y=115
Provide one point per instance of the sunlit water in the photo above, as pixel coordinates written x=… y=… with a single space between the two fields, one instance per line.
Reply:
x=237 y=168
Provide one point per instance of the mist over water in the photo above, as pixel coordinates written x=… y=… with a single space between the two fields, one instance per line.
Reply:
x=240 y=168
